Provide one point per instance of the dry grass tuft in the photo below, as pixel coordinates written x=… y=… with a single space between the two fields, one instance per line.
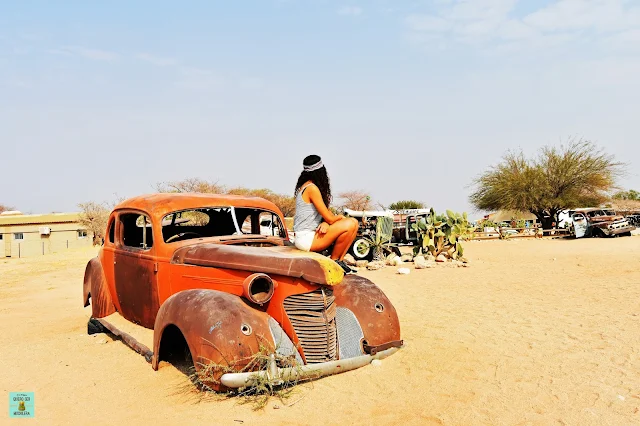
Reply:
x=261 y=391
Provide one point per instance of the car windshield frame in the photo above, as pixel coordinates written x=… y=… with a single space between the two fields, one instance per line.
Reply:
x=169 y=219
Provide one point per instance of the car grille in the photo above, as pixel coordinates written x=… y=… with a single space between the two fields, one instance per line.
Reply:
x=313 y=318
x=619 y=224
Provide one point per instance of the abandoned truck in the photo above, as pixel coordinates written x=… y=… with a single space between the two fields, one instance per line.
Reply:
x=375 y=228
x=199 y=270
x=594 y=222
x=383 y=228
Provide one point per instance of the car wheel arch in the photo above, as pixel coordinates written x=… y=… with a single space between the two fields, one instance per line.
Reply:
x=373 y=310
x=210 y=322
x=95 y=288
x=159 y=352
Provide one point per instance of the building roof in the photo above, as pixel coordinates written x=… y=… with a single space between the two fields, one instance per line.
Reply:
x=625 y=205
x=34 y=219
x=508 y=215
x=164 y=203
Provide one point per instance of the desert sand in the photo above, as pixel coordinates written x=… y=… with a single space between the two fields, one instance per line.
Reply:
x=535 y=332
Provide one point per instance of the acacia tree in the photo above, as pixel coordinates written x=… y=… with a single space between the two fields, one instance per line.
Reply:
x=190 y=185
x=4 y=208
x=94 y=217
x=578 y=174
x=286 y=203
x=356 y=200
x=406 y=204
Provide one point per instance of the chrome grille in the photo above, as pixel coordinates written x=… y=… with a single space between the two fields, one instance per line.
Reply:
x=284 y=345
x=350 y=334
x=313 y=316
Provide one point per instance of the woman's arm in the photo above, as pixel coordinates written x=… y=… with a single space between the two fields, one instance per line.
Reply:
x=316 y=198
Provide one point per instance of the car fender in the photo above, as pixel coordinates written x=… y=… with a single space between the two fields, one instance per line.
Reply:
x=218 y=327
x=95 y=287
x=373 y=310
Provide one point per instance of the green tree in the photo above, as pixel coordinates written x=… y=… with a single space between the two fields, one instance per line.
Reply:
x=406 y=204
x=578 y=174
x=627 y=195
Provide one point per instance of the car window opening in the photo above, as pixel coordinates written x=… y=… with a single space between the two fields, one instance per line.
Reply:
x=136 y=230
x=220 y=221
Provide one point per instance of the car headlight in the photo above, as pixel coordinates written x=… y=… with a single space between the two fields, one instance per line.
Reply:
x=258 y=288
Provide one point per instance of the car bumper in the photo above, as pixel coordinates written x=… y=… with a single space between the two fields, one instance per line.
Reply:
x=618 y=231
x=277 y=375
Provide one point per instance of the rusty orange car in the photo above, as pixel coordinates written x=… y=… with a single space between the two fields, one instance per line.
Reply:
x=218 y=274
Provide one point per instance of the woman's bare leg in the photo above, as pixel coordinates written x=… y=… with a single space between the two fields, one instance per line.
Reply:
x=342 y=233
x=352 y=238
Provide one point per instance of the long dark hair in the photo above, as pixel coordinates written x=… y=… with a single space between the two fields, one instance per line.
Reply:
x=319 y=177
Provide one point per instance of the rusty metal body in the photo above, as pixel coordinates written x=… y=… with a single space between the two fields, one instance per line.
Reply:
x=606 y=224
x=195 y=283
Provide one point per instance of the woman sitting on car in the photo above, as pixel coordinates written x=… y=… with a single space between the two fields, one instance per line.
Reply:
x=316 y=228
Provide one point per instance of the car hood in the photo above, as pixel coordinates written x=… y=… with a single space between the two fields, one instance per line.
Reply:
x=278 y=260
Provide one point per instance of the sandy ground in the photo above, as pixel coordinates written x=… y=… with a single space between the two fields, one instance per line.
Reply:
x=533 y=333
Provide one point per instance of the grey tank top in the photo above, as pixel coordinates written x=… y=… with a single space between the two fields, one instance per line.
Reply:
x=307 y=217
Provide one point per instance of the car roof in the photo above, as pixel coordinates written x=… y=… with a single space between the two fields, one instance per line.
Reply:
x=161 y=204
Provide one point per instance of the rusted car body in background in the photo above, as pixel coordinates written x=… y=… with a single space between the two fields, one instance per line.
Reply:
x=597 y=222
x=197 y=270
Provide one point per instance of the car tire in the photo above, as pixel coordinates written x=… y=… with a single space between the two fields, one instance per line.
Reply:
x=94 y=327
x=626 y=234
x=360 y=250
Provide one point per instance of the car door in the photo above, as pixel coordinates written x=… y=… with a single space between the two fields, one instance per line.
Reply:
x=108 y=259
x=580 y=224
x=135 y=269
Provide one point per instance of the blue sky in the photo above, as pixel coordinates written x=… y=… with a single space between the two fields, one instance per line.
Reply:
x=405 y=99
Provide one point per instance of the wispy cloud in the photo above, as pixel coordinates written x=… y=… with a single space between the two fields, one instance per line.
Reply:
x=157 y=60
x=199 y=79
x=428 y=23
x=20 y=50
x=251 y=83
x=18 y=83
x=350 y=11
x=496 y=22
x=85 y=52
x=600 y=15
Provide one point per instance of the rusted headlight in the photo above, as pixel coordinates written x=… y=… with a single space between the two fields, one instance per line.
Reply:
x=258 y=288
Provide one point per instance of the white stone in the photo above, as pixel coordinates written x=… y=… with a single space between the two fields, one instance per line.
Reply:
x=375 y=265
x=407 y=258
x=391 y=259
x=349 y=260
x=404 y=271
x=420 y=262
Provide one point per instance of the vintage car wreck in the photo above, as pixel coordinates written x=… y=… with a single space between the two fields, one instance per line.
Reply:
x=594 y=222
x=199 y=269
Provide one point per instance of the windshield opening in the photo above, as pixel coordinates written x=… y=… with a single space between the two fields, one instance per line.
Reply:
x=220 y=221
